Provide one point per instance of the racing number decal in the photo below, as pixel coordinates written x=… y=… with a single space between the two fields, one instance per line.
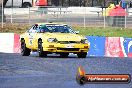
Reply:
x=30 y=41
x=30 y=38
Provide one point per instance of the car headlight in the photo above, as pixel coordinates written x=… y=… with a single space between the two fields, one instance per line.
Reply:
x=52 y=40
x=85 y=41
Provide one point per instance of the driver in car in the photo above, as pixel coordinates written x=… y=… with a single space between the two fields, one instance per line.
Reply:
x=43 y=29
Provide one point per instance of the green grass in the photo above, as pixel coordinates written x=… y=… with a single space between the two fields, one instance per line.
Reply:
x=88 y=31
x=109 y=31
x=14 y=28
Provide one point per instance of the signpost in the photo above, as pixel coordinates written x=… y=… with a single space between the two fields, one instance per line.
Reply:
x=11 y=11
x=2 y=16
x=2 y=13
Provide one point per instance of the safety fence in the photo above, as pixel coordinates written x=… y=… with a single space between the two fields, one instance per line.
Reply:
x=76 y=16
x=99 y=46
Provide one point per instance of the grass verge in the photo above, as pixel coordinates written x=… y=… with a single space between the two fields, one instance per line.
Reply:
x=88 y=31
x=108 y=31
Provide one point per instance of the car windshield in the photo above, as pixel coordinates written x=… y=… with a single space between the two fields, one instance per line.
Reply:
x=57 y=28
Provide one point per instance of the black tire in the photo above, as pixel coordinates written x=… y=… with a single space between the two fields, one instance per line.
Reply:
x=40 y=50
x=26 y=5
x=64 y=55
x=82 y=55
x=24 y=50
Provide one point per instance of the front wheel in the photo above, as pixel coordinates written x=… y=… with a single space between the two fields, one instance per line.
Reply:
x=82 y=55
x=24 y=50
x=40 y=50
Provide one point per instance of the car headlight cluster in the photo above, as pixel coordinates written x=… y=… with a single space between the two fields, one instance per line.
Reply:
x=85 y=41
x=51 y=40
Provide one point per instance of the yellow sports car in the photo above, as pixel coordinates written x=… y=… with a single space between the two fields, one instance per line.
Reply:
x=47 y=38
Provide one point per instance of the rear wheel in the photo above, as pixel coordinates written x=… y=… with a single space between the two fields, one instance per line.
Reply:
x=24 y=50
x=26 y=5
x=40 y=49
x=82 y=55
x=64 y=55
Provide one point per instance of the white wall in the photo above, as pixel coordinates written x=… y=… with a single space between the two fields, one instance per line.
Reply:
x=6 y=42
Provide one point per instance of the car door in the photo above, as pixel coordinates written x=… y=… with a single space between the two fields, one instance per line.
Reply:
x=31 y=35
x=36 y=35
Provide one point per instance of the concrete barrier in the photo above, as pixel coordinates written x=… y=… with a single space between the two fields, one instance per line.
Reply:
x=110 y=46
x=6 y=42
x=16 y=44
x=99 y=46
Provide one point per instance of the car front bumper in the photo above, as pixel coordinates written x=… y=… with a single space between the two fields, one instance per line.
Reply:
x=69 y=48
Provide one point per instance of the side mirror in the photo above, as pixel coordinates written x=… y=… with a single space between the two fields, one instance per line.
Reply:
x=77 y=32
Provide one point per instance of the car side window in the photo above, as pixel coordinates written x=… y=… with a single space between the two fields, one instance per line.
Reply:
x=30 y=30
x=33 y=29
x=43 y=29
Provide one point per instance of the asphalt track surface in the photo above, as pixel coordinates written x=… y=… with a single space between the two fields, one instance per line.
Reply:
x=55 y=72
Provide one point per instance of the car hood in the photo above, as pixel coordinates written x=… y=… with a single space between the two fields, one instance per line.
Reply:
x=65 y=36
